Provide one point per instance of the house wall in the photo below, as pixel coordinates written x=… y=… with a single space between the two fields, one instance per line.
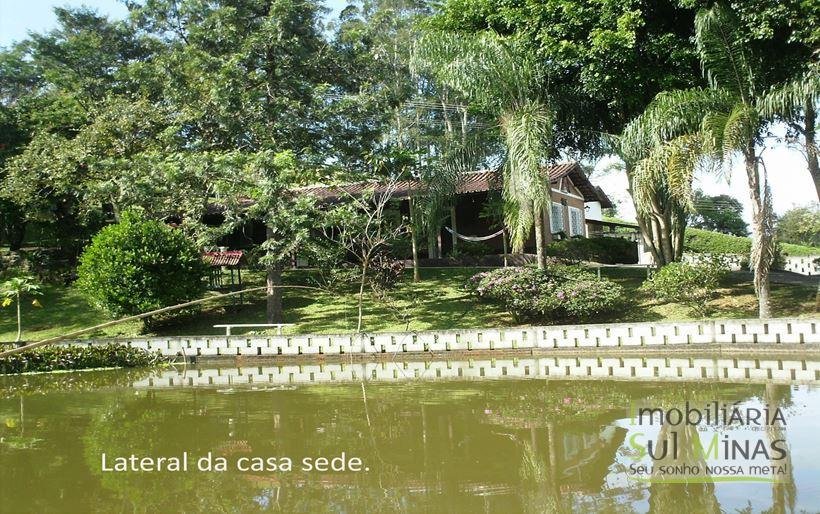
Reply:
x=569 y=198
x=469 y=222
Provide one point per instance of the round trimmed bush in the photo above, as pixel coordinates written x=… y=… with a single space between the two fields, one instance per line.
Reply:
x=139 y=265
x=556 y=293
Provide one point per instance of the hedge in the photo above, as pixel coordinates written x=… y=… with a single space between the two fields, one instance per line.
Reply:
x=606 y=250
x=798 y=250
x=556 y=293
x=696 y=240
x=58 y=358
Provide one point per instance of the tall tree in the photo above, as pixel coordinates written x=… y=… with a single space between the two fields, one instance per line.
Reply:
x=608 y=59
x=719 y=213
x=718 y=122
x=500 y=76
x=249 y=78
x=52 y=84
x=425 y=119
x=784 y=34
x=800 y=225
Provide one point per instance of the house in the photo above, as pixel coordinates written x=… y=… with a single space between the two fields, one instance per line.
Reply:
x=574 y=200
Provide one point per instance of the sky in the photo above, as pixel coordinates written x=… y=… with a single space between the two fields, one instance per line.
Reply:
x=788 y=176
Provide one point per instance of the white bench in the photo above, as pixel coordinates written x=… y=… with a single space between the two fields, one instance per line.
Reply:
x=278 y=326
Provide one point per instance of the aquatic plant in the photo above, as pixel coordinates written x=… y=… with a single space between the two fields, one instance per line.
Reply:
x=56 y=358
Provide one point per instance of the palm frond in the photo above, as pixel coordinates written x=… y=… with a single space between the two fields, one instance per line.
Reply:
x=490 y=70
x=671 y=114
x=785 y=99
x=526 y=131
x=667 y=173
x=712 y=129
x=441 y=177
x=722 y=53
x=740 y=128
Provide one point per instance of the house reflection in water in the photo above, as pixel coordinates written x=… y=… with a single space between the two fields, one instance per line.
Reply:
x=507 y=445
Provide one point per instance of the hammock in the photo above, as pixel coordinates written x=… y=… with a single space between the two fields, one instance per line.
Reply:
x=474 y=238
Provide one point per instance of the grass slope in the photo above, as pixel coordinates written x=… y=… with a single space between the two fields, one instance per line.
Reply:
x=435 y=303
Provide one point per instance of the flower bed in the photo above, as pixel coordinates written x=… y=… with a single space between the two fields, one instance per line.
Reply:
x=556 y=293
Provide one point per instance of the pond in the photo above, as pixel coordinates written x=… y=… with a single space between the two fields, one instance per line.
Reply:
x=522 y=435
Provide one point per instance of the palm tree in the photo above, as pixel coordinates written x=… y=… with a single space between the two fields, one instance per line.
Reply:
x=661 y=208
x=683 y=129
x=499 y=76
x=12 y=291
x=795 y=102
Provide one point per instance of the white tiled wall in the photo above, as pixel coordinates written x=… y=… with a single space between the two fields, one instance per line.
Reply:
x=785 y=331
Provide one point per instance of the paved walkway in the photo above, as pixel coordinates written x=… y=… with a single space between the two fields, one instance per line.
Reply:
x=784 y=277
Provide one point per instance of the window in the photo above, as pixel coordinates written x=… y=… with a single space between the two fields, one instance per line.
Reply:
x=557 y=218
x=576 y=222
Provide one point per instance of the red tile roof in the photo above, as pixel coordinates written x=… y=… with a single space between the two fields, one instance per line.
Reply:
x=471 y=182
x=226 y=258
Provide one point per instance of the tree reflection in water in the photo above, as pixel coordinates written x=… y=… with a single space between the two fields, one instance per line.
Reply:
x=784 y=491
x=493 y=446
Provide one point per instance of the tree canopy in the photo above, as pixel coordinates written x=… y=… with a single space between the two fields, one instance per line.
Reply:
x=189 y=109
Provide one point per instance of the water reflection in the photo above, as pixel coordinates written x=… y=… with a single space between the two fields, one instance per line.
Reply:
x=528 y=443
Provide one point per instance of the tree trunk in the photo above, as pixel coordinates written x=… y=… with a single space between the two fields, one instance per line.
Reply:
x=504 y=246
x=645 y=229
x=454 y=226
x=431 y=243
x=646 y=226
x=546 y=220
x=664 y=224
x=539 y=238
x=761 y=257
x=811 y=146
x=19 y=321
x=273 y=311
x=414 y=243
x=361 y=295
x=678 y=232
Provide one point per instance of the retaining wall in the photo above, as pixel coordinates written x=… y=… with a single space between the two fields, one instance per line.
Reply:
x=785 y=331
x=806 y=265
x=626 y=368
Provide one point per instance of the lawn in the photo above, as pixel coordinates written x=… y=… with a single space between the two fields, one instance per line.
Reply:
x=437 y=302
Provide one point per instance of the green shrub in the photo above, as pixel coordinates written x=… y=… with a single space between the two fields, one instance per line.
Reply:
x=385 y=273
x=471 y=249
x=690 y=284
x=139 y=265
x=55 y=358
x=556 y=293
x=606 y=250
x=704 y=241
x=715 y=243
x=788 y=249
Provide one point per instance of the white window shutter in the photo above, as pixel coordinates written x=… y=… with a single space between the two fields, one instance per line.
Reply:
x=557 y=218
x=576 y=227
